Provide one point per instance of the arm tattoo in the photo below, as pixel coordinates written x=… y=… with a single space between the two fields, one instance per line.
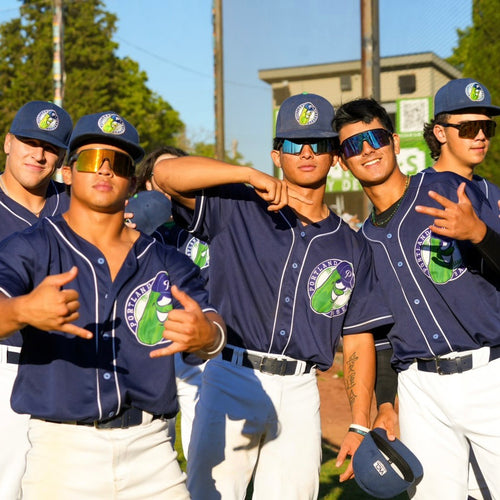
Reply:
x=350 y=377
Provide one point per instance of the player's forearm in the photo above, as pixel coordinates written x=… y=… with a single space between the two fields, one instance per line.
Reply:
x=180 y=176
x=359 y=375
x=11 y=314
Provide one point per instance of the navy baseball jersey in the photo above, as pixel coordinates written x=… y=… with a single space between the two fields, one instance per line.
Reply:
x=283 y=287
x=491 y=191
x=16 y=218
x=440 y=300
x=63 y=377
x=197 y=250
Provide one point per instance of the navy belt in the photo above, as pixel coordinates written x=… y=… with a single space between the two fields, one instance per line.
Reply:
x=266 y=364
x=129 y=417
x=449 y=366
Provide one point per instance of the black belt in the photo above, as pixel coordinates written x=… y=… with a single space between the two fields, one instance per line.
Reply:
x=129 y=417
x=449 y=366
x=13 y=357
x=266 y=364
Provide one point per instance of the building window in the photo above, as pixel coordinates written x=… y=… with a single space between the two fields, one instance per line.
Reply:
x=407 y=84
x=345 y=83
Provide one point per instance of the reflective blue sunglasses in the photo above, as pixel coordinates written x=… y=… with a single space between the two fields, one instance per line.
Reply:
x=376 y=138
x=319 y=148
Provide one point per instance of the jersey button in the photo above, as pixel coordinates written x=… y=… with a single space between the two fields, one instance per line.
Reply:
x=107 y=376
x=303 y=234
x=282 y=332
x=416 y=301
x=295 y=265
x=111 y=414
x=106 y=335
x=435 y=336
x=389 y=235
x=400 y=264
x=100 y=260
x=287 y=299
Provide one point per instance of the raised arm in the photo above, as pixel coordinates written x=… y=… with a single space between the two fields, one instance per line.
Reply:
x=182 y=177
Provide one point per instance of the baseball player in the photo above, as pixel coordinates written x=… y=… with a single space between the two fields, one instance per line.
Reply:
x=445 y=351
x=35 y=147
x=458 y=138
x=188 y=368
x=290 y=277
x=101 y=308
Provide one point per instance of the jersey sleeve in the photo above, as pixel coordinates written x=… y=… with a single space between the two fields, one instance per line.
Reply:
x=213 y=210
x=18 y=261
x=367 y=309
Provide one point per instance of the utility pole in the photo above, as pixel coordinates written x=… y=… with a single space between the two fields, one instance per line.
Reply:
x=57 y=65
x=219 y=80
x=370 y=49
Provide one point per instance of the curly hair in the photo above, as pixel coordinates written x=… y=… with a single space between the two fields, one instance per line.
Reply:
x=429 y=136
x=145 y=169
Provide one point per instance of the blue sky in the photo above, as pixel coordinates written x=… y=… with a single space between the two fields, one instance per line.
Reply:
x=172 y=41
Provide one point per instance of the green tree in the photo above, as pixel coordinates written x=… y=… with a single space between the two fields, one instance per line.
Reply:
x=96 y=78
x=478 y=56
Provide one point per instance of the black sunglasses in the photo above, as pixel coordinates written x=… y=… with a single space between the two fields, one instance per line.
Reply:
x=469 y=130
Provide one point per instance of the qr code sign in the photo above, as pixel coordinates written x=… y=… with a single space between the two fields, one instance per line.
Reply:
x=413 y=114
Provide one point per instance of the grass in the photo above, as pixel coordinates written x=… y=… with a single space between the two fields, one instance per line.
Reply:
x=329 y=489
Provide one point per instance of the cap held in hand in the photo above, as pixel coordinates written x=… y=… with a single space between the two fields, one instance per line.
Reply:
x=385 y=468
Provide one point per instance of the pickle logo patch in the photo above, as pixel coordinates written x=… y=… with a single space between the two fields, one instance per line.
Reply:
x=439 y=258
x=330 y=286
x=147 y=309
x=198 y=252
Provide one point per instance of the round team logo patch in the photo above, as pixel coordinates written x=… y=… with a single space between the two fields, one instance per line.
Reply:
x=111 y=124
x=47 y=120
x=306 y=113
x=330 y=286
x=439 y=258
x=147 y=308
x=197 y=251
x=474 y=92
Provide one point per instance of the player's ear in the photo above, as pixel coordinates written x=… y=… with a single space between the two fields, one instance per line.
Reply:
x=439 y=133
x=276 y=157
x=395 y=139
x=342 y=163
x=67 y=174
x=6 y=143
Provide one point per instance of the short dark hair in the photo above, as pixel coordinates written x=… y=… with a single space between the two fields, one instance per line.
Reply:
x=145 y=169
x=362 y=110
x=432 y=142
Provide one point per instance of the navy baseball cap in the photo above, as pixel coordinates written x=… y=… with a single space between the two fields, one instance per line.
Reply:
x=151 y=209
x=45 y=121
x=107 y=128
x=305 y=116
x=385 y=468
x=464 y=94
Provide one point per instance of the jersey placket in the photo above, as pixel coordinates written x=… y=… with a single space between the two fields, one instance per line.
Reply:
x=288 y=293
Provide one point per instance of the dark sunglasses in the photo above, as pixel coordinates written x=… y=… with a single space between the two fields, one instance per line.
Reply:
x=376 y=138
x=469 y=130
x=91 y=160
x=320 y=147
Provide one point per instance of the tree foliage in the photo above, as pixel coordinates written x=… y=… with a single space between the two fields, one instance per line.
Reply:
x=96 y=78
x=478 y=56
